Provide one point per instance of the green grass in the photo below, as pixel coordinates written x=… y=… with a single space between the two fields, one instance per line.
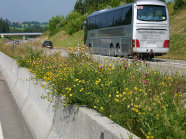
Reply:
x=63 y=40
x=21 y=29
x=141 y=100
x=177 y=36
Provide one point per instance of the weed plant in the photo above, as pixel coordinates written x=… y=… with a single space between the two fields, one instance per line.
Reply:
x=141 y=100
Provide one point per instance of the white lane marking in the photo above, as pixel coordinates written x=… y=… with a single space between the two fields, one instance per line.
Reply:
x=1 y=133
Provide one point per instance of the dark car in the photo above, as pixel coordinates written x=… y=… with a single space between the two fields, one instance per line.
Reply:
x=17 y=42
x=47 y=44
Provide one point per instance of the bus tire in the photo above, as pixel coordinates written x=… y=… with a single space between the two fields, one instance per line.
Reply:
x=90 y=48
x=118 y=49
x=112 y=50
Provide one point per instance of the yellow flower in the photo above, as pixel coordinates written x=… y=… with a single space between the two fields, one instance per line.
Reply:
x=109 y=95
x=124 y=93
x=101 y=108
x=94 y=107
x=116 y=100
x=124 y=98
x=117 y=96
x=70 y=95
x=130 y=93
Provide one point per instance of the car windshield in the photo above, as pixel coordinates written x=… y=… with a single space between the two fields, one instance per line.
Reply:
x=151 y=13
x=48 y=42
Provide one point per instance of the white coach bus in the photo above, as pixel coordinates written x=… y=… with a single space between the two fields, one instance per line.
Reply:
x=140 y=28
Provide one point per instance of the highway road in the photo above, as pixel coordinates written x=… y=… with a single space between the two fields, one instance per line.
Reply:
x=12 y=125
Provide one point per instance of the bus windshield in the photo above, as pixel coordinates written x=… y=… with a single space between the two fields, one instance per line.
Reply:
x=151 y=13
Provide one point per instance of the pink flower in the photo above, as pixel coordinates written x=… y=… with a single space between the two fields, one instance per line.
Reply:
x=145 y=74
x=101 y=67
x=126 y=67
x=145 y=82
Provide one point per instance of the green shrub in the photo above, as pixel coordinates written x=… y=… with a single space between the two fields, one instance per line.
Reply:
x=60 y=24
x=54 y=22
x=73 y=22
x=179 y=4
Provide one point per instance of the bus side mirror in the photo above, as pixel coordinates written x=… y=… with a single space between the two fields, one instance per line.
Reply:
x=83 y=23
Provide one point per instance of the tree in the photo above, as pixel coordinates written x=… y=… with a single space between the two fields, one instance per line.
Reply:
x=53 y=22
x=80 y=7
x=4 y=28
x=179 y=4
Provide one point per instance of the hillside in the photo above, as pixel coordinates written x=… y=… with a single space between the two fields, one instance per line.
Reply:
x=62 y=39
x=177 y=37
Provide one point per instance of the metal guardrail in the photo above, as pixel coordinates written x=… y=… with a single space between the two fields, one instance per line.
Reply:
x=20 y=34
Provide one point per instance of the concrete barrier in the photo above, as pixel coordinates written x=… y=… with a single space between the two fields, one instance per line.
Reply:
x=44 y=122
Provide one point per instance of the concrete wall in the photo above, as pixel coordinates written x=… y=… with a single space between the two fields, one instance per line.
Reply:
x=46 y=123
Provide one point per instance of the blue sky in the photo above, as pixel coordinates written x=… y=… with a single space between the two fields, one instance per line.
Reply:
x=34 y=10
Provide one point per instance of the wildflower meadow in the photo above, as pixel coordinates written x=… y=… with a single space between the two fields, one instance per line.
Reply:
x=141 y=100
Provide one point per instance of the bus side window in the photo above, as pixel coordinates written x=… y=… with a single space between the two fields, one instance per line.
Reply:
x=92 y=23
x=98 y=22
x=103 y=21
x=128 y=16
x=118 y=17
x=108 y=19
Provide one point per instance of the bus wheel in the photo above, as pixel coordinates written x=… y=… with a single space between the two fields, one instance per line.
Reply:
x=151 y=57
x=89 y=48
x=111 y=51
x=118 y=50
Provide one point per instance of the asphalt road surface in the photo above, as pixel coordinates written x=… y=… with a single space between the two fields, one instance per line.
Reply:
x=12 y=125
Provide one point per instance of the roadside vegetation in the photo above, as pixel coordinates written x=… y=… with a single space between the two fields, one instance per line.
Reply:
x=141 y=100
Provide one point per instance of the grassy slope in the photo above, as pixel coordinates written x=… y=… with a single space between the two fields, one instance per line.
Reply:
x=62 y=39
x=177 y=37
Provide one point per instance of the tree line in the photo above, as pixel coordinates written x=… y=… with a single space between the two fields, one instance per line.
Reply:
x=4 y=28
x=89 y=6
x=26 y=26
